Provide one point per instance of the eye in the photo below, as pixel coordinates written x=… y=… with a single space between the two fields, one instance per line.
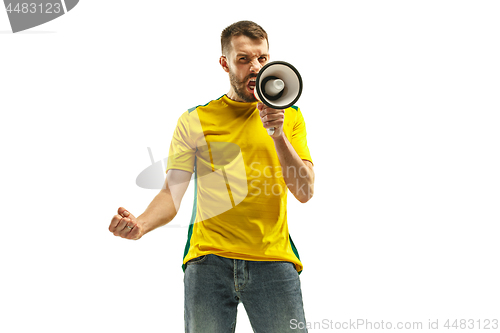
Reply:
x=263 y=59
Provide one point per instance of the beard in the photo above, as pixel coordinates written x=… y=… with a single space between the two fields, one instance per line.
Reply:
x=240 y=87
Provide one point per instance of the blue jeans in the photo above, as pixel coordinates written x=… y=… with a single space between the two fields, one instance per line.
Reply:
x=269 y=290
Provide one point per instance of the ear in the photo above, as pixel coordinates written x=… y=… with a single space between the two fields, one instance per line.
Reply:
x=224 y=64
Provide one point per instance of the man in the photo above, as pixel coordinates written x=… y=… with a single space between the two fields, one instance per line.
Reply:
x=238 y=249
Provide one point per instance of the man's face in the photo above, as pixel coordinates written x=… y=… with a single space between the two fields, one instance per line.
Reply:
x=245 y=59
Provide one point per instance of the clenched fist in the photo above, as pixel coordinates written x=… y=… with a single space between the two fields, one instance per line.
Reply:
x=126 y=225
x=272 y=118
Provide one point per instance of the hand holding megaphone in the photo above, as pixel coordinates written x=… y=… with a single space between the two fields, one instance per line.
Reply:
x=278 y=86
x=272 y=119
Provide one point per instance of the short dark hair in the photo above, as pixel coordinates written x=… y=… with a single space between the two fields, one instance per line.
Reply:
x=246 y=28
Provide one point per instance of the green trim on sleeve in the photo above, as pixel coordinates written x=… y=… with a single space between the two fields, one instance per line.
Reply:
x=194 y=108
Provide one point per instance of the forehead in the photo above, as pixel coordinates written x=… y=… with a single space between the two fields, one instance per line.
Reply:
x=246 y=45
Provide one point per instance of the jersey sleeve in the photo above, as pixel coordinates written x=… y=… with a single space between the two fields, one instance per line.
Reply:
x=299 y=138
x=182 y=150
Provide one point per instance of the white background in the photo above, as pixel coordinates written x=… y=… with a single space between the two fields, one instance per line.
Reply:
x=401 y=102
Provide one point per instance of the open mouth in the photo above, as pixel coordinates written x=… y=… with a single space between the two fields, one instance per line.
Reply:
x=251 y=84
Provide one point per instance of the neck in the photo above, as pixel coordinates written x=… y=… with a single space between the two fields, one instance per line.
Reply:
x=233 y=96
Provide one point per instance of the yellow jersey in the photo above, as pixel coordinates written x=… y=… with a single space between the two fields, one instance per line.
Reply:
x=239 y=209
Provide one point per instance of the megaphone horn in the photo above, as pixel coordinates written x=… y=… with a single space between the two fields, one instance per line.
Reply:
x=278 y=85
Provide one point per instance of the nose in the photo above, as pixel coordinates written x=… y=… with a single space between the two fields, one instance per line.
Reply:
x=255 y=66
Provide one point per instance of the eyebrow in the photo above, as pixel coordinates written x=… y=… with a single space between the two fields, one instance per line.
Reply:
x=246 y=55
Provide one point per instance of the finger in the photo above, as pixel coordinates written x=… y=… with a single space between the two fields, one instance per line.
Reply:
x=114 y=222
x=121 y=226
x=129 y=226
x=134 y=233
x=272 y=113
x=273 y=123
x=273 y=117
x=263 y=110
x=267 y=117
x=124 y=213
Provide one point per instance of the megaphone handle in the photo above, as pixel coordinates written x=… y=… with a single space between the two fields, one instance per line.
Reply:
x=270 y=131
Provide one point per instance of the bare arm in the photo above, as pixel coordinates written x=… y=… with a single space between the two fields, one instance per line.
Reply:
x=160 y=211
x=166 y=204
x=298 y=173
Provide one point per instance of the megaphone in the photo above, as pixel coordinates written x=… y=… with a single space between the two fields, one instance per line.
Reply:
x=278 y=85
